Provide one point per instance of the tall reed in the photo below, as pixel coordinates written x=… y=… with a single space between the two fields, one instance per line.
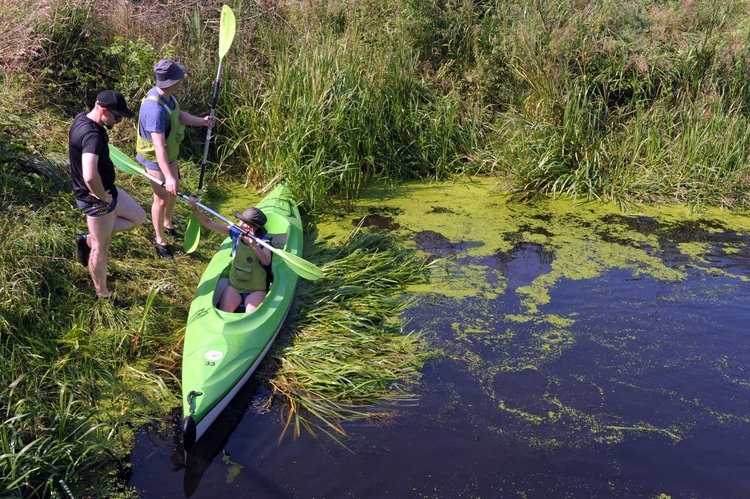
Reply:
x=350 y=359
x=327 y=121
x=613 y=113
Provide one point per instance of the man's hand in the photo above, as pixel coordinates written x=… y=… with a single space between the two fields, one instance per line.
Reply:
x=172 y=185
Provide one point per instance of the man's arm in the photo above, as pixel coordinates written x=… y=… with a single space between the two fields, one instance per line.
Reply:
x=91 y=177
x=190 y=120
x=171 y=182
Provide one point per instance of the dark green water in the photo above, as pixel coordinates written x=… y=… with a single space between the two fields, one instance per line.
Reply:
x=587 y=353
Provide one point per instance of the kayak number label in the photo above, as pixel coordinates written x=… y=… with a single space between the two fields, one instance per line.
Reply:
x=212 y=356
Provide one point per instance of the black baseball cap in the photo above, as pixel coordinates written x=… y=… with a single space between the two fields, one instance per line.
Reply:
x=114 y=101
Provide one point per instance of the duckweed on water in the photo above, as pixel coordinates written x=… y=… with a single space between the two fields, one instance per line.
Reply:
x=498 y=270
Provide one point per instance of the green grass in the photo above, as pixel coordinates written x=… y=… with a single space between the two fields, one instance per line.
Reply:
x=349 y=359
x=77 y=373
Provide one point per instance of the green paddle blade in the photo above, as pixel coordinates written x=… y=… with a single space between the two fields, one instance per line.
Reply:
x=192 y=235
x=227 y=27
x=124 y=162
x=299 y=266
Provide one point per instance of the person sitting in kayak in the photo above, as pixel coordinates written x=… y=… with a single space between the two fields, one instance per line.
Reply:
x=250 y=261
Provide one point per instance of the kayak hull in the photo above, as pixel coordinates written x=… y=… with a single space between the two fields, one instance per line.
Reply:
x=223 y=349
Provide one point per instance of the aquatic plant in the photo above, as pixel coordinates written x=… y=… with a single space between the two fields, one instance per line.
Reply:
x=349 y=359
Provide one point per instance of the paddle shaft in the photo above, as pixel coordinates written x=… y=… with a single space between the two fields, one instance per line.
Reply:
x=208 y=132
x=301 y=267
x=217 y=215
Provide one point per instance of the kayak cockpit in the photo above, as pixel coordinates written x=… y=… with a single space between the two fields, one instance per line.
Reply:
x=278 y=241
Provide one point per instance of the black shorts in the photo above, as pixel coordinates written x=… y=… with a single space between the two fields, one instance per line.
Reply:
x=96 y=209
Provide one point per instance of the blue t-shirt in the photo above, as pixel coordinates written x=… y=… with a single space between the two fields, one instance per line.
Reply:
x=152 y=118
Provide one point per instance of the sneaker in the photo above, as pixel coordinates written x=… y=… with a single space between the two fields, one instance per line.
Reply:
x=111 y=299
x=162 y=249
x=83 y=250
x=171 y=232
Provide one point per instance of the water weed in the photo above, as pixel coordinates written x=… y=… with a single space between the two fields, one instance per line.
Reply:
x=350 y=359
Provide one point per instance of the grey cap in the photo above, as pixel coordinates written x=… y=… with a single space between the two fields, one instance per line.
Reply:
x=168 y=73
x=252 y=216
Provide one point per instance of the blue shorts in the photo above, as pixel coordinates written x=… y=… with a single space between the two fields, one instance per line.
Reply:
x=96 y=209
x=150 y=165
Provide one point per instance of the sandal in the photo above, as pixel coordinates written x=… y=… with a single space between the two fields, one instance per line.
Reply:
x=162 y=249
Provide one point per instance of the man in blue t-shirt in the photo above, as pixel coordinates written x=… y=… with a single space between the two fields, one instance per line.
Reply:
x=161 y=128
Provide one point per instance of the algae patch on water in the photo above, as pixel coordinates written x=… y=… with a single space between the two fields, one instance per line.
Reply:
x=576 y=322
x=561 y=311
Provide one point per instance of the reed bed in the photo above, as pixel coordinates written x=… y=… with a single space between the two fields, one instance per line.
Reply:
x=555 y=98
x=631 y=110
x=350 y=360
x=327 y=124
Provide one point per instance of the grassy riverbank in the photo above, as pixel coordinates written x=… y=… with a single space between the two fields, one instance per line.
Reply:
x=620 y=101
x=80 y=376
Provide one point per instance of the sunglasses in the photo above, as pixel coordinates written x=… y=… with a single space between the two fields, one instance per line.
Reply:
x=118 y=117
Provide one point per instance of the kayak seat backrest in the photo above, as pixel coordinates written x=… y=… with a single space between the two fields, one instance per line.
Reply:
x=278 y=240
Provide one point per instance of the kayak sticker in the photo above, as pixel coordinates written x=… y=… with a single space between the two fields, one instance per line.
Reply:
x=214 y=355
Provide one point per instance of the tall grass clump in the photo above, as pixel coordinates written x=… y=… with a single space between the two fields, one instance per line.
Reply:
x=77 y=373
x=350 y=360
x=327 y=124
x=613 y=68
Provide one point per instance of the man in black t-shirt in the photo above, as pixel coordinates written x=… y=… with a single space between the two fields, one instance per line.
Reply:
x=108 y=208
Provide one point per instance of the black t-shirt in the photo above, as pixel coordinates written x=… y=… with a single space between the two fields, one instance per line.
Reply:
x=87 y=136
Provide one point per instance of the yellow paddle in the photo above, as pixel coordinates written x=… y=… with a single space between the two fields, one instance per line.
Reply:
x=227 y=28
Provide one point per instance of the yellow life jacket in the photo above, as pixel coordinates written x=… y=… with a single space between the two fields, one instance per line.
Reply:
x=145 y=147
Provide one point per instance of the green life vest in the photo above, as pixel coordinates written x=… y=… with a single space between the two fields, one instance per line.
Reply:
x=145 y=147
x=247 y=273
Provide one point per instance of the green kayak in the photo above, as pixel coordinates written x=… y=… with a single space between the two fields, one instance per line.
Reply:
x=223 y=349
